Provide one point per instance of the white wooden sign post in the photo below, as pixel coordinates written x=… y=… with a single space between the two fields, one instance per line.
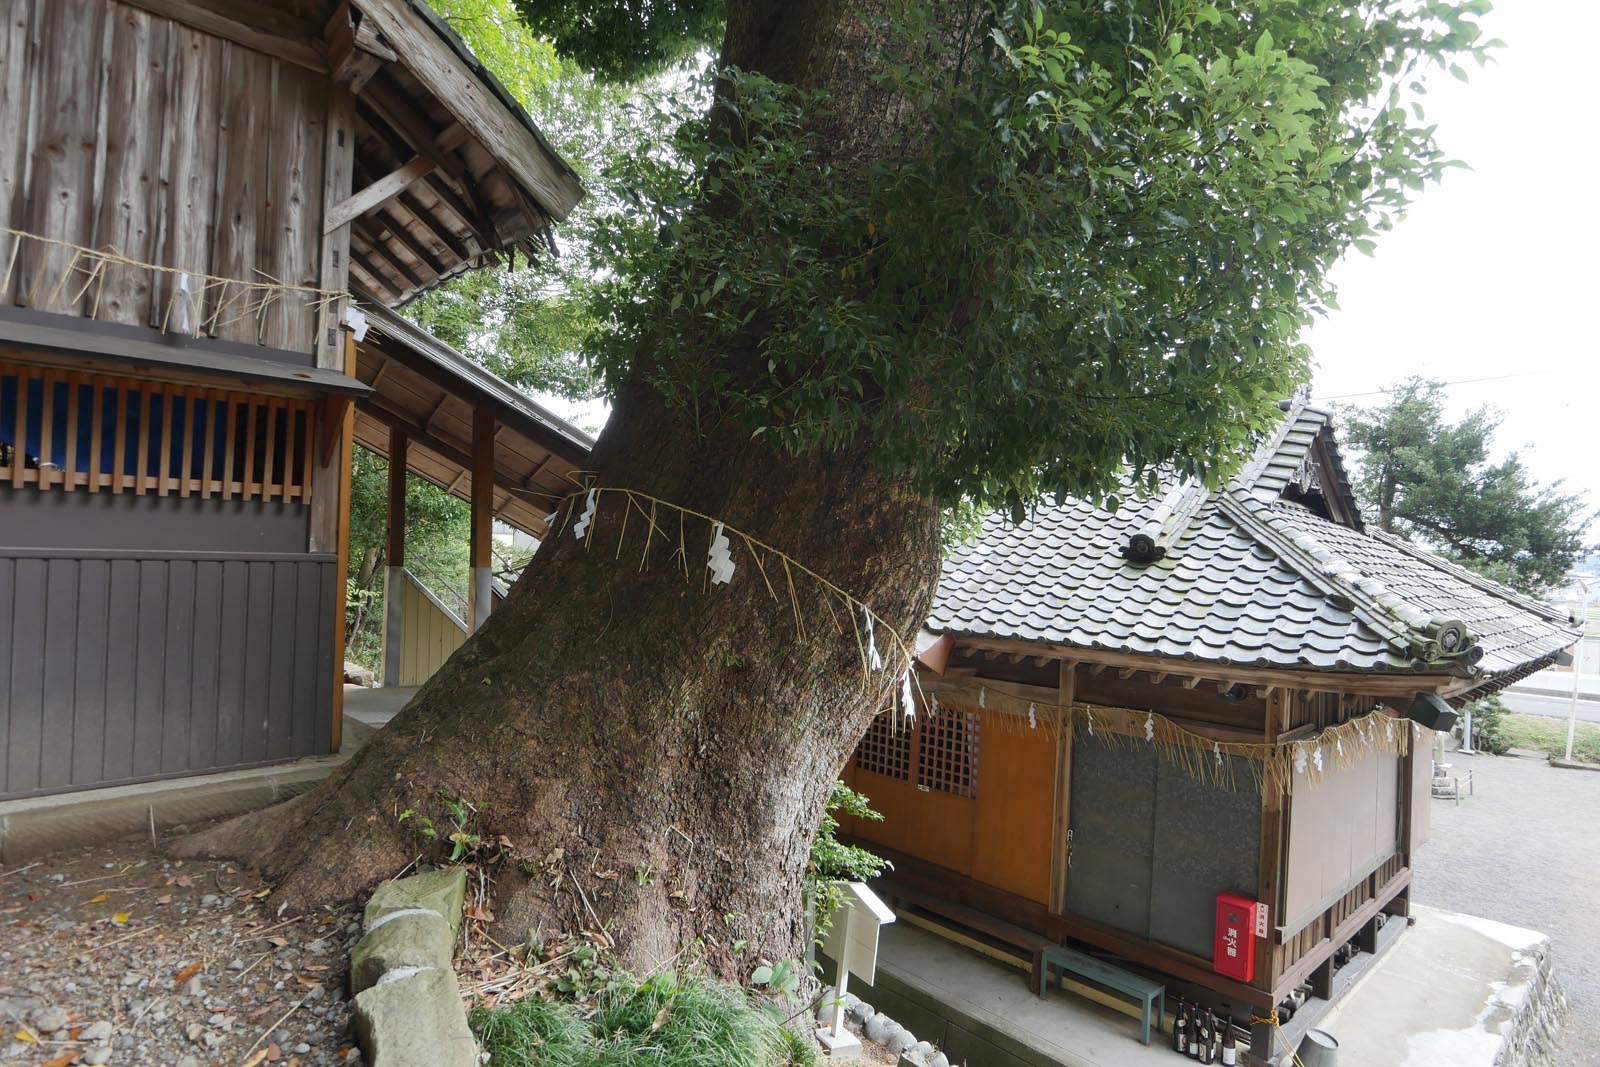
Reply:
x=853 y=945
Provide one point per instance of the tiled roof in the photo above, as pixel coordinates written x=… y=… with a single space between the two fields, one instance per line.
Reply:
x=1248 y=578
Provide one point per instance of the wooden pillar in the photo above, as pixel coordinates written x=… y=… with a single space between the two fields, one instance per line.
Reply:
x=395 y=560
x=482 y=592
x=335 y=349
x=341 y=572
x=1269 y=869
x=1066 y=673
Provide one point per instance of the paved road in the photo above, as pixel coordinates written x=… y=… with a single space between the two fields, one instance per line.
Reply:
x=1555 y=707
x=1526 y=850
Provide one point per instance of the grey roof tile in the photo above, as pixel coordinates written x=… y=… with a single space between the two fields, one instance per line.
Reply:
x=1252 y=579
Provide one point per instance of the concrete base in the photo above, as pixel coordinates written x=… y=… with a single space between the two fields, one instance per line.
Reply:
x=843 y=1048
x=981 y=1011
x=1456 y=991
x=33 y=826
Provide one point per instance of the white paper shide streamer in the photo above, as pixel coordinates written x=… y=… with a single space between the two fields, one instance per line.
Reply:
x=873 y=659
x=720 y=558
x=581 y=527
x=907 y=703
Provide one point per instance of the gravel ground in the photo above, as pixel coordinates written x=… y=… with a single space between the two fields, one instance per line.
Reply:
x=117 y=955
x=1526 y=850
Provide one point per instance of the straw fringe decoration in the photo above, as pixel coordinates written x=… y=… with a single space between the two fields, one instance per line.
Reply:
x=868 y=629
x=230 y=300
x=1227 y=764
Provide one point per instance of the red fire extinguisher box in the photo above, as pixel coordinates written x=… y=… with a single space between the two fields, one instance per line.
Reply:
x=1233 y=952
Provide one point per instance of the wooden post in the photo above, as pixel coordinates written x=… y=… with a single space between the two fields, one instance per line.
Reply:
x=1269 y=870
x=341 y=570
x=395 y=562
x=1066 y=673
x=482 y=592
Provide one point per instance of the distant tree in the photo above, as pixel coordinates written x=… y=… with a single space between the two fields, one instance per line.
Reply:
x=1430 y=480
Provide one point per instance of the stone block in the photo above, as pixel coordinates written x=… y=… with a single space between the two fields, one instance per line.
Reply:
x=442 y=892
x=416 y=1021
x=417 y=939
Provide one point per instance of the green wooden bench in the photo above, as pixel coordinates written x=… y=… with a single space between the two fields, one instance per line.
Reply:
x=1148 y=994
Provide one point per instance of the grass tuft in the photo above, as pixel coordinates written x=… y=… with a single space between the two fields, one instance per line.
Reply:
x=534 y=1033
x=668 y=1021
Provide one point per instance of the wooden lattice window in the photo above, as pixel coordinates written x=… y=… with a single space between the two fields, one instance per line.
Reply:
x=64 y=430
x=886 y=749
x=948 y=756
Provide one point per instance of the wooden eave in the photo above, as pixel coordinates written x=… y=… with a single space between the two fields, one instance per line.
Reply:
x=534 y=464
x=450 y=174
x=1395 y=685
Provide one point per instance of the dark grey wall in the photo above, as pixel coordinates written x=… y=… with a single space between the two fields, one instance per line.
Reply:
x=122 y=666
x=148 y=523
x=1152 y=846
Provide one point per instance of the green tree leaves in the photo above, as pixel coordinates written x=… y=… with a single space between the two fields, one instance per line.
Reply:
x=1431 y=480
x=1099 y=261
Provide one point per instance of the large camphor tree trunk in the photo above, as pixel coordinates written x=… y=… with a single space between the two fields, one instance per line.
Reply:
x=618 y=718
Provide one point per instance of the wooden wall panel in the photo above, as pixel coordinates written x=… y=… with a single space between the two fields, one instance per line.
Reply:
x=1015 y=810
x=428 y=636
x=129 y=131
x=118 y=668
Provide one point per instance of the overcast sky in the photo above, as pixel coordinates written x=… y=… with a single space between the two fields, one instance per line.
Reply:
x=1493 y=272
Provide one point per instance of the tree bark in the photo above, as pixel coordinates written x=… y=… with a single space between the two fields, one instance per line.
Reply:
x=619 y=717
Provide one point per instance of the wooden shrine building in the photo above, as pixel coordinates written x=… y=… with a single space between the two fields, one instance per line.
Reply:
x=189 y=192
x=1201 y=693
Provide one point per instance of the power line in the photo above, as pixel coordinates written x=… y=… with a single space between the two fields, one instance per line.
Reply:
x=1463 y=381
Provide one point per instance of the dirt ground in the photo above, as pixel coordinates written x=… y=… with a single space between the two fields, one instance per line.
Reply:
x=118 y=955
x=1526 y=850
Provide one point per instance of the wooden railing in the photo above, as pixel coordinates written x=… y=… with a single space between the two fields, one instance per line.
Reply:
x=66 y=430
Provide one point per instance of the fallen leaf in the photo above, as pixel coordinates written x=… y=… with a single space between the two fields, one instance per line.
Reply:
x=186 y=974
x=274 y=1053
x=277 y=942
x=184 y=880
x=263 y=893
x=100 y=899
x=660 y=1019
x=27 y=1036
x=259 y=1012
x=61 y=1060
x=121 y=918
x=344 y=1052
x=253 y=1060
x=33 y=897
x=165 y=898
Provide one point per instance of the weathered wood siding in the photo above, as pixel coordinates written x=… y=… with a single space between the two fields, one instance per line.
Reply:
x=118 y=667
x=128 y=131
x=428 y=636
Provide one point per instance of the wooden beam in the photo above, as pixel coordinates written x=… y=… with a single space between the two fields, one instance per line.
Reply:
x=347 y=438
x=355 y=51
x=381 y=191
x=1060 y=856
x=1273 y=844
x=500 y=131
x=1127 y=672
x=261 y=27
